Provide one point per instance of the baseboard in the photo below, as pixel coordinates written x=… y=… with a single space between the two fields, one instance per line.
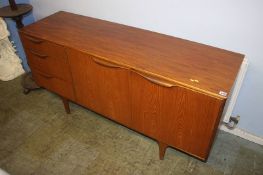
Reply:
x=243 y=134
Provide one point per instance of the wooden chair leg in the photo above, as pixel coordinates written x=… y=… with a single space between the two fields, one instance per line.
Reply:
x=66 y=105
x=162 y=149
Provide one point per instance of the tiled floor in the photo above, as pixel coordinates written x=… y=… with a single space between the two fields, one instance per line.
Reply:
x=38 y=137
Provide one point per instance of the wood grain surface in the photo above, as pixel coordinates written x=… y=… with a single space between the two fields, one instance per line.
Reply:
x=169 y=58
x=47 y=57
x=53 y=84
x=179 y=117
x=101 y=87
x=164 y=87
x=22 y=9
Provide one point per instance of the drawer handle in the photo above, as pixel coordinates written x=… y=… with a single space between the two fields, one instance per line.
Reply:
x=104 y=63
x=45 y=75
x=158 y=82
x=33 y=40
x=38 y=55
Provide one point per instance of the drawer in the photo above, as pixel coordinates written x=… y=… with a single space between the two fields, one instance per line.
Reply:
x=54 y=84
x=42 y=45
x=57 y=66
x=47 y=57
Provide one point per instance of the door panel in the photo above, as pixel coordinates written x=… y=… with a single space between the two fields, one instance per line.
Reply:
x=179 y=117
x=189 y=120
x=145 y=106
x=101 y=86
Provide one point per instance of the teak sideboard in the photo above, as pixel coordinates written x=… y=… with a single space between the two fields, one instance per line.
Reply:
x=167 y=88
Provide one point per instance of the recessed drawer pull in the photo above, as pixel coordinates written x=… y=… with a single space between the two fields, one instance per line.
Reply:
x=104 y=63
x=45 y=75
x=158 y=82
x=38 y=55
x=33 y=40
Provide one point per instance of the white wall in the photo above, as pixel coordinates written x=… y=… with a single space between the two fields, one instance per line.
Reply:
x=235 y=25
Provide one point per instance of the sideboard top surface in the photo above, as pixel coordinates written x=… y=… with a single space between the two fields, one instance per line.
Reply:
x=186 y=63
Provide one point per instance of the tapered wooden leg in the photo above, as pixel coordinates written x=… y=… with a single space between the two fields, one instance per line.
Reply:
x=162 y=149
x=66 y=105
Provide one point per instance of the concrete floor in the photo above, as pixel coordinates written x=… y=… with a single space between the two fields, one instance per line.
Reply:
x=38 y=137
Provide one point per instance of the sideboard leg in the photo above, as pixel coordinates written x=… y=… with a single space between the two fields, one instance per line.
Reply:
x=162 y=149
x=66 y=105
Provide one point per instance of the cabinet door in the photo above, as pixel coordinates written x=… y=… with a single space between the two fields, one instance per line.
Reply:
x=101 y=86
x=179 y=117
x=145 y=108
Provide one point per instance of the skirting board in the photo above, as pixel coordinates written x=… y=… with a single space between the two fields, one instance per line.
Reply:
x=243 y=134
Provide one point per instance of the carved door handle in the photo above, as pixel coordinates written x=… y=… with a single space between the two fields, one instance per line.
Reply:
x=158 y=82
x=105 y=63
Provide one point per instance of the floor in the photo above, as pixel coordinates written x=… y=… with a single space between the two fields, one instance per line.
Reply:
x=37 y=137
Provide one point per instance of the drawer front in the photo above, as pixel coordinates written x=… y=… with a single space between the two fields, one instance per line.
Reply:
x=47 y=57
x=54 y=84
x=38 y=44
x=174 y=115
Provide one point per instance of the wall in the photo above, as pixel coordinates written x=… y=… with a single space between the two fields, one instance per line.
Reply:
x=235 y=25
x=28 y=19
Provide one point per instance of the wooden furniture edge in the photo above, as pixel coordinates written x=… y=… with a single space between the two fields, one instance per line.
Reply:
x=136 y=70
